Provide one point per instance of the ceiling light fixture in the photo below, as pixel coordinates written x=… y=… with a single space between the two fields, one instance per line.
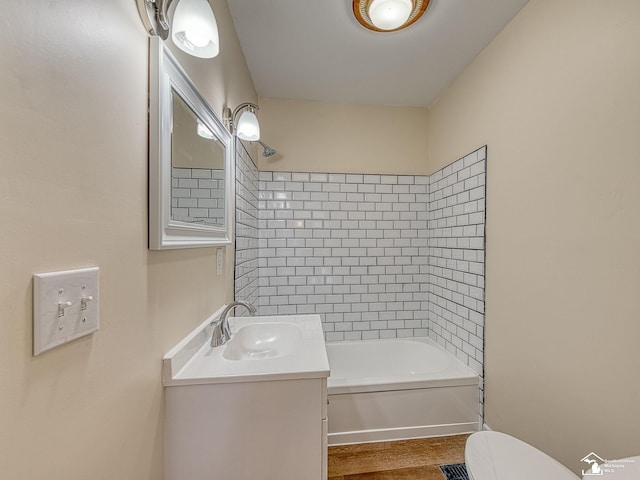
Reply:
x=388 y=15
x=194 y=27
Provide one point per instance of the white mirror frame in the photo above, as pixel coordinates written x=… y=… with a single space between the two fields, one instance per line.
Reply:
x=166 y=75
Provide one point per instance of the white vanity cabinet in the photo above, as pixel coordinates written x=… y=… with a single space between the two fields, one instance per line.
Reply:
x=247 y=419
x=239 y=431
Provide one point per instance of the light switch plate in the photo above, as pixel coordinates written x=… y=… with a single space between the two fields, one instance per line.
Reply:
x=65 y=307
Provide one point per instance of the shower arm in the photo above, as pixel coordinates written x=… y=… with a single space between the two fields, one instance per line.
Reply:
x=268 y=151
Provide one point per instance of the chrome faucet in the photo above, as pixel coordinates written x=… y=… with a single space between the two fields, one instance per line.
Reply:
x=221 y=331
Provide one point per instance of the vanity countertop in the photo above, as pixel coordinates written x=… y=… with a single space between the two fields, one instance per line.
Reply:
x=193 y=361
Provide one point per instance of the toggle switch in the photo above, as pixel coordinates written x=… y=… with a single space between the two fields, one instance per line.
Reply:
x=61 y=307
x=84 y=301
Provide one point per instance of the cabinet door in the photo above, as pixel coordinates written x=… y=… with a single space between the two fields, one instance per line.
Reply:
x=240 y=431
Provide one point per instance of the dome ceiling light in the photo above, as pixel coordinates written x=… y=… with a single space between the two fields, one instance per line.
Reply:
x=388 y=15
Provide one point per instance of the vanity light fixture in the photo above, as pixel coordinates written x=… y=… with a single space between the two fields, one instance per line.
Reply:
x=388 y=15
x=243 y=121
x=194 y=29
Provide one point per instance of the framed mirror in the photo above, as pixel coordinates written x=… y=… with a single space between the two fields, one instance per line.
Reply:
x=190 y=161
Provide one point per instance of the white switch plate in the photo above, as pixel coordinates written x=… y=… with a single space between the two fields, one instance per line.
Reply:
x=52 y=294
x=219 y=262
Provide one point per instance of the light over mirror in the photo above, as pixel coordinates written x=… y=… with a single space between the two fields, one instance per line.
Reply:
x=190 y=161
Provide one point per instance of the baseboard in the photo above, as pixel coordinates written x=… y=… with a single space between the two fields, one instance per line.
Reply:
x=390 y=434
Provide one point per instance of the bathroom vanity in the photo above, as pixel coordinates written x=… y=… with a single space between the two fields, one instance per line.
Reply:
x=255 y=407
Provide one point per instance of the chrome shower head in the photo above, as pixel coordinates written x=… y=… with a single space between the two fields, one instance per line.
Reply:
x=268 y=151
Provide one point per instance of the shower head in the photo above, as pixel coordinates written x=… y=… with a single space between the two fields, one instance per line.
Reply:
x=268 y=151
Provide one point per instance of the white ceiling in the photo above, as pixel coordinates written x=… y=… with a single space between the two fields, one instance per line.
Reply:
x=316 y=50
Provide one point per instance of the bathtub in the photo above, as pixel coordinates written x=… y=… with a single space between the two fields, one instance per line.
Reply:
x=382 y=390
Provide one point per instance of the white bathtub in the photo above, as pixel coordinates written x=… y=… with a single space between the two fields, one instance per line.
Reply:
x=382 y=390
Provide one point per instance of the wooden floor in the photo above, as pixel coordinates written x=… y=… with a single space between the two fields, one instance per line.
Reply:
x=404 y=459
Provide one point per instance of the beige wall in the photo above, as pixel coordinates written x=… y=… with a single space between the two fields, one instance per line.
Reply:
x=339 y=137
x=73 y=193
x=556 y=98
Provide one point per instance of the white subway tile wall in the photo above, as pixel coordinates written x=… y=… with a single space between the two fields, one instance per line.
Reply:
x=197 y=195
x=246 y=234
x=456 y=230
x=352 y=248
x=377 y=256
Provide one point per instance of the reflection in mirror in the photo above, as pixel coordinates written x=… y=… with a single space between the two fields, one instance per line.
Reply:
x=197 y=169
x=190 y=161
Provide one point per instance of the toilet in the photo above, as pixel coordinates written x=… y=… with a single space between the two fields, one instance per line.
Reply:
x=493 y=455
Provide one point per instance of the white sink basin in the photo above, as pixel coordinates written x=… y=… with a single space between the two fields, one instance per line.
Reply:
x=262 y=348
x=264 y=340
